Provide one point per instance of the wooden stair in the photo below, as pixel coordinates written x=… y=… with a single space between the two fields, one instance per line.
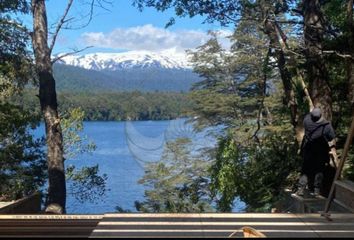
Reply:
x=206 y=225
x=40 y=226
x=344 y=194
x=343 y=201
x=218 y=225
x=307 y=204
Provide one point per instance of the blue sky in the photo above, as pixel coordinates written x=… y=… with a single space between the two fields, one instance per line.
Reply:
x=125 y=28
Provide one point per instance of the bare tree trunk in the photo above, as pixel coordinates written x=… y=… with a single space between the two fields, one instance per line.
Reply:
x=290 y=98
x=278 y=53
x=350 y=63
x=317 y=73
x=48 y=100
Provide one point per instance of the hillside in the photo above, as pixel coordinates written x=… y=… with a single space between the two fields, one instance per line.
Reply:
x=143 y=71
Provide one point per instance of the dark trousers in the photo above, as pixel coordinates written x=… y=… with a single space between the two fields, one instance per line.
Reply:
x=312 y=181
x=315 y=159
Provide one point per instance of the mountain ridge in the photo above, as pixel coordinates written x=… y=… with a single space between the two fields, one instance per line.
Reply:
x=142 y=71
x=128 y=60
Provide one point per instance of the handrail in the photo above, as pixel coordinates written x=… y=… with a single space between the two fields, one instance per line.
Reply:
x=347 y=145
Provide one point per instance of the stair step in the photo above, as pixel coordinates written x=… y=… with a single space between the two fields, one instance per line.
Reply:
x=307 y=203
x=344 y=194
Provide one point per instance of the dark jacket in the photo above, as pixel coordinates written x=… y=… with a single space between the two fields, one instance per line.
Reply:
x=314 y=147
x=316 y=130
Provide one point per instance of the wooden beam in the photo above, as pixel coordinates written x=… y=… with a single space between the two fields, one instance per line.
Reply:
x=347 y=145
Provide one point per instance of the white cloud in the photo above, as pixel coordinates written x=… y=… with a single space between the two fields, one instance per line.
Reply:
x=150 y=38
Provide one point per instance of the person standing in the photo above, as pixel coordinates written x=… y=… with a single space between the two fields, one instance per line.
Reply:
x=316 y=145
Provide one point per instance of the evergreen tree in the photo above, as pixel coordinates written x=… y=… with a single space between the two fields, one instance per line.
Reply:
x=256 y=136
x=317 y=53
x=22 y=161
x=177 y=183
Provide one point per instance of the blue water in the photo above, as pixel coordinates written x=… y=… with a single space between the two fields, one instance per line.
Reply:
x=122 y=150
x=115 y=160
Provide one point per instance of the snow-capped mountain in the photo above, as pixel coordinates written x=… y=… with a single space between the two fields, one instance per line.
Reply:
x=128 y=60
x=128 y=71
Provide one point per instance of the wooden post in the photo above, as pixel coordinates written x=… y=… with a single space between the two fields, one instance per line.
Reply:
x=340 y=166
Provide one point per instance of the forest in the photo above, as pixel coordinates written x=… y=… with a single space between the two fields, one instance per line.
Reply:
x=287 y=56
x=117 y=106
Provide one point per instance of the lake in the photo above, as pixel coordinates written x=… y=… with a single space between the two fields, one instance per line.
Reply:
x=122 y=150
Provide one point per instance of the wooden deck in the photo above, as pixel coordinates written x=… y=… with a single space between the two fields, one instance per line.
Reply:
x=136 y=225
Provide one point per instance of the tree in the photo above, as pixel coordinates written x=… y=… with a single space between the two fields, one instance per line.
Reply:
x=22 y=159
x=321 y=58
x=72 y=125
x=42 y=49
x=84 y=184
x=236 y=85
x=266 y=14
x=338 y=55
x=350 y=61
x=339 y=44
x=49 y=106
x=177 y=183
x=22 y=162
x=241 y=92
x=317 y=74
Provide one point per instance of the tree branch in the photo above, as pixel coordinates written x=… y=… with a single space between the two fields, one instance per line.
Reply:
x=93 y=4
x=347 y=56
x=60 y=24
x=287 y=21
x=264 y=92
x=69 y=54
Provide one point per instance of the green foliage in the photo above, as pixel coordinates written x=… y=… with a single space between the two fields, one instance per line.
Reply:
x=256 y=173
x=257 y=116
x=22 y=160
x=256 y=153
x=348 y=172
x=71 y=78
x=335 y=11
x=72 y=125
x=228 y=159
x=118 y=106
x=85 y=184
x=15 y=61
x=217 y=10
x=14 y=6
x=122 y=210
x=340 y=71
x=236 y=86
x=177 y=183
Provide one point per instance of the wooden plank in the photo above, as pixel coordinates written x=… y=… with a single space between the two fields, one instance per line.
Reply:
x=77 y=226
x=345 y=184
x=44 y=236
x=200 y=233
x=48 y=217
x=223 y=229
x=26 y=205
x=44 y=228
x=345 y=194
x=142 y=224
x=343 y=205
x=200 y=215
x=202 y=225
x=176 y=225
